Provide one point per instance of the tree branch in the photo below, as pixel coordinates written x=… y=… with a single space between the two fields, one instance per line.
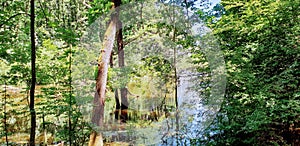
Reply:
x=87 y=5
x=13 y=16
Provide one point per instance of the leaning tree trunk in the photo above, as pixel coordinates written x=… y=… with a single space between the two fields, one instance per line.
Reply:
x=101 y=80
x=33 y=76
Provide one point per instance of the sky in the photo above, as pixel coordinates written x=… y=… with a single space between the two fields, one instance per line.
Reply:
x=213 y=3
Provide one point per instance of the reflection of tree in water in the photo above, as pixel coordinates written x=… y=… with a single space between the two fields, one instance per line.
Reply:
x=151 y=100
x=152 y=115
x=150 y=79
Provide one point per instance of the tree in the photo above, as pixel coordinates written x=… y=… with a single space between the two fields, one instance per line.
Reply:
x=33 y=75
x=101 y=80
x=55 y=30
x=261 y=44
x=121 y=62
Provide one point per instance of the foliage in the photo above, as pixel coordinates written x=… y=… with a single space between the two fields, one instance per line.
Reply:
x=59 y=25
x=260 y=40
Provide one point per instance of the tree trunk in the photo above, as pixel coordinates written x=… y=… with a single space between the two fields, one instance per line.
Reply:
x=5 y=114
x=118 y=106
x=96 y=139
x=101 y=80
x=33 y=75
x=70 y=98
x=176 y=80
x=120 y=45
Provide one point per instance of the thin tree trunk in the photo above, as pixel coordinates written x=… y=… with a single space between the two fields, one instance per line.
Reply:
x=99 y=98
x=5 y=114
x=120 y=45
x=118 y=106
x=70 y=97
x=176 y=80
x=33 y=75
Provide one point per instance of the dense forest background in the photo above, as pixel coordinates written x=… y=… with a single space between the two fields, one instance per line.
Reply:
x=42 y=57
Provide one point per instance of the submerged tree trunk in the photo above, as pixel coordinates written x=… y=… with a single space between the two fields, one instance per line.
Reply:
x=118 y=106
x=101 y=80
x=33 y=76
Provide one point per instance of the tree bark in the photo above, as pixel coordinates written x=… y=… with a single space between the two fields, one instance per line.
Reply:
x=121 y=57
x=96 y=139
x=33 y=75
x=118 y=106
x=101 y=80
